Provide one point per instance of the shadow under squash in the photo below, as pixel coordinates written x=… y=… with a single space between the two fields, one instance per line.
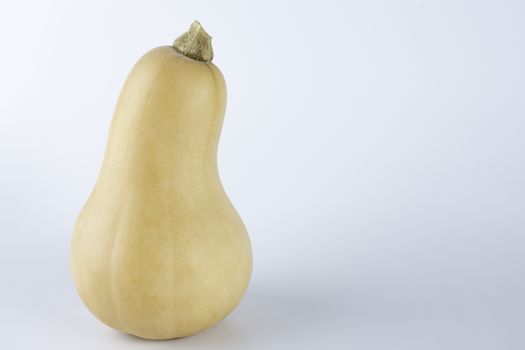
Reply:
x=263 y=318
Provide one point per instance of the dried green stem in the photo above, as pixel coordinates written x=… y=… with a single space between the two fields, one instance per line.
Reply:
x=195 y=43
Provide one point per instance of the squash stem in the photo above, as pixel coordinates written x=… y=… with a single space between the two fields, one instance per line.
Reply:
x=195 y=43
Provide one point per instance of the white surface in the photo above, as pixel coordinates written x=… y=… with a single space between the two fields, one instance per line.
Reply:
x=375 y=150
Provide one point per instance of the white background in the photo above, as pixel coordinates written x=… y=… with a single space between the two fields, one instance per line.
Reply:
x=375 y=150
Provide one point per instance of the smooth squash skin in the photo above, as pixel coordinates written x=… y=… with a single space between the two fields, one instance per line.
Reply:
x=158 y=250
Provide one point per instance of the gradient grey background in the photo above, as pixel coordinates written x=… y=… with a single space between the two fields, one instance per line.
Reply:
x=375 y=150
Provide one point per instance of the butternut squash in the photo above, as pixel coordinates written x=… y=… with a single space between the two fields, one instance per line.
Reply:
x=158 y=251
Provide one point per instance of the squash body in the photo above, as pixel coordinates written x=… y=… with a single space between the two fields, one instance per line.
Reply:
x=158 y=250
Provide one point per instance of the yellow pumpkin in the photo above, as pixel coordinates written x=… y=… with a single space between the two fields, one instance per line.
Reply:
x=158 y=250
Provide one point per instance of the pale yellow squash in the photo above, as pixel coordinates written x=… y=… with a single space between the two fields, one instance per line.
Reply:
x=158 y=251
